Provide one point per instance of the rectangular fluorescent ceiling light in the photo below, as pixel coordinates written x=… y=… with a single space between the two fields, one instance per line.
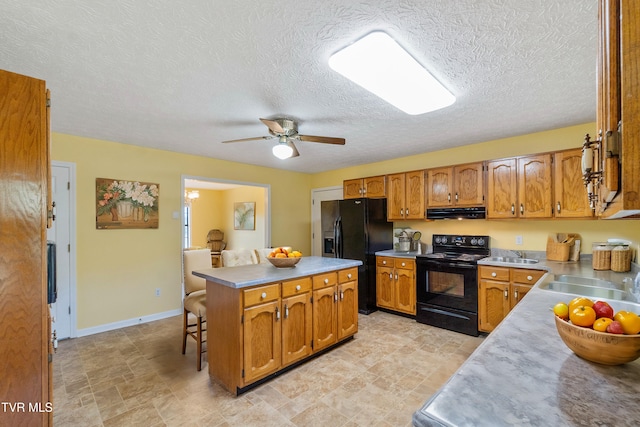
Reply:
x=378 y=64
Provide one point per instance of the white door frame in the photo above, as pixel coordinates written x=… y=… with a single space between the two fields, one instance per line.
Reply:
x=72 y=249
x=318 y=195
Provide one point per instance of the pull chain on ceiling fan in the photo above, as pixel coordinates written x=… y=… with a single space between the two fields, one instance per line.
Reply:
x=286 y=131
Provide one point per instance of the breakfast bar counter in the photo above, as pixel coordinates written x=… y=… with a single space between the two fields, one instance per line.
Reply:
x=524 y=375
x=262 y=320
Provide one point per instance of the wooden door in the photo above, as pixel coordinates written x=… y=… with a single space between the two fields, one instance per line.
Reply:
x=324 y=317
x=262 y=341
x=375 y=186
x=414 y=196
x=385 y=287
x=297 y=328
x=347 y=309
x=534 y=186
x=469 y=184
x=24 y=176
x=571 y=199
x=440 y=187
x=352 y=188
x=502 y=188
x=406 y=289
x=493 y=304
x=518 y=291
x=396 y=196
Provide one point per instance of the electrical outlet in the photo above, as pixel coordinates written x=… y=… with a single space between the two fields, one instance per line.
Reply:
x=157 y=292
x=518 y=240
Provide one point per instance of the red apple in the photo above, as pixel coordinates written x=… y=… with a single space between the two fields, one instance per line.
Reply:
x=602 y=309
x=615 y=327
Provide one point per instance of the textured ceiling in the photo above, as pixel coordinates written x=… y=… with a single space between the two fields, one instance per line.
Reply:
x=186 y=75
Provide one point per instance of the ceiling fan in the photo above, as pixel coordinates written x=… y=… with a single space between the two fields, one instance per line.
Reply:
x=286 y=130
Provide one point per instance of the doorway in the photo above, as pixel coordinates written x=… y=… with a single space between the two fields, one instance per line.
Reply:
x=317 y=196
x=217 y=212
x=62 y=233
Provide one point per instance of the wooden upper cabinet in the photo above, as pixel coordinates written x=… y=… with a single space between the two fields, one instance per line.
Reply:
x=405 y=195
x=570 y=199
x=520 y=187
x=371 y=187
x=460 y=185
x=618 y=112
x=502 y=188
x=534 y=186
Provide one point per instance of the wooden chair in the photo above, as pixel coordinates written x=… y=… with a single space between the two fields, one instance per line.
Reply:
x=195 y=300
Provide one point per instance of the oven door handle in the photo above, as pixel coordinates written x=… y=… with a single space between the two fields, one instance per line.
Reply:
x=438 y=266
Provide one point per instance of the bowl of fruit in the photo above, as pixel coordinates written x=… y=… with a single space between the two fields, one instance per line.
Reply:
x=593 y=331
x=283 y=258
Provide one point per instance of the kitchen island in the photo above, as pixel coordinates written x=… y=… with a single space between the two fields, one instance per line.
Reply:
x=263 y=320
x=524 y=375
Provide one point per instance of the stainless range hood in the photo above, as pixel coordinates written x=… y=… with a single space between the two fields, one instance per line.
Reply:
x=478 y=212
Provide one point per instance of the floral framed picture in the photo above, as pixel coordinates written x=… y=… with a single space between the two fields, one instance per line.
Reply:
x=244 y=216
x=126 y=204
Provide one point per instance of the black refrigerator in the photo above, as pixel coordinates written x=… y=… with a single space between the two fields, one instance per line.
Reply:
x=357 y=229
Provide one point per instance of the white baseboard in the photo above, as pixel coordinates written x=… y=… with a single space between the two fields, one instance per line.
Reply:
x=128 y=322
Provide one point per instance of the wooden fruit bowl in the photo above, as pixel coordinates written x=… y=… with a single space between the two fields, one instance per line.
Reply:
x=599 y=347
x=284 y=262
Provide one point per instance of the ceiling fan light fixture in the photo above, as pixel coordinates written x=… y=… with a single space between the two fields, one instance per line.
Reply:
x=282 y=151
x=378 y=64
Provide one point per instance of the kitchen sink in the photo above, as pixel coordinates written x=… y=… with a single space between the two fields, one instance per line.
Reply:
x=512 y=260
x=584 y=290
x=590 y=281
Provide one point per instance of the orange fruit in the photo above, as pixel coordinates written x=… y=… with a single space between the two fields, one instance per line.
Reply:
x=583 y=316
x=578 y=301
x=281 y=255
x=561 y=310
x=630 y=322
x=601 y=324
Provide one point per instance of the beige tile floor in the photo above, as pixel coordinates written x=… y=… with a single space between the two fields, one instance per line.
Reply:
x=136 y=376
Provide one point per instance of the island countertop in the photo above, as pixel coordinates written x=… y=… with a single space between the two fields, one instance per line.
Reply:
x=524 y=375
x=259 y=274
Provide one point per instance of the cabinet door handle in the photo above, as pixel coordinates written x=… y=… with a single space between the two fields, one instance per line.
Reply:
x=494 y=274
x=335 y=297
x=326 y=281
x=263 y=295
x=364 y=190
x=384 y=262
x=521 y=209
x=515 y=294
x=558 y=207
x=277 y=313
x=401 y=212
x=456 y=196
x=298 y=287
x=341 y=295
x=513 y=209
x=390 y=276
x=529 y=278
x=396 y=276
x=448 y=197
x=349 y=276
x=403 y=264
x=286 y=311
x=506 y=294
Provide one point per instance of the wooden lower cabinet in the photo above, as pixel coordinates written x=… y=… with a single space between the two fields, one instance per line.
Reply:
x=256 y=332
x=500 y=289
x=396 y=284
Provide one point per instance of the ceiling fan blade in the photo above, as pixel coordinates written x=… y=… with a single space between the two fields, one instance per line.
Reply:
x=255 y=138
x=274 y=126
x=295 y=150
x=323 y=139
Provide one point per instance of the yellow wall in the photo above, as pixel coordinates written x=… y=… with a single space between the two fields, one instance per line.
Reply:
x=119 y=270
